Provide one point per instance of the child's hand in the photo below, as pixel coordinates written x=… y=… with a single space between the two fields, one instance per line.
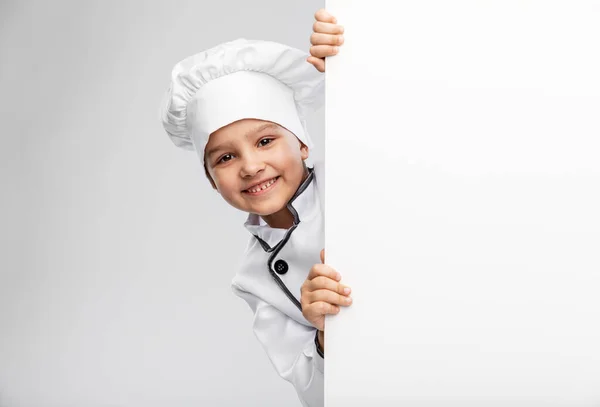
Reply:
x=326 y=37
x=321 y=294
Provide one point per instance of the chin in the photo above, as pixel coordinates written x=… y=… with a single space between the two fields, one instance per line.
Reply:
x=268 y=209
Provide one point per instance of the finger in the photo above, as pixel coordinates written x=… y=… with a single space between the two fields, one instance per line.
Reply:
x=327 y=28
x=323 y=270
x=330 y=297
x=326 y=283
x=322 y=51
x=326 y=39
x=322 y=255
x=322 y=308
x=323 y=15
x=317 y=63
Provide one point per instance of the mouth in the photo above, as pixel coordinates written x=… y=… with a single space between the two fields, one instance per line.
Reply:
x=263 y=188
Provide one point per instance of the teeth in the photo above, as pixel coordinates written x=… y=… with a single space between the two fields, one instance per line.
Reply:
x=264 y=186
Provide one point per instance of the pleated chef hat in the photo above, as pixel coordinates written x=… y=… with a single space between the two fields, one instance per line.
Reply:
x=237 y=80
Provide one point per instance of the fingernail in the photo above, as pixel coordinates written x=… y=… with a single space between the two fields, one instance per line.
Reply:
x=334 y=20
x=341 y=39
x=348 y=300
x=335 y=49
x=338 y=276
x=347 y=290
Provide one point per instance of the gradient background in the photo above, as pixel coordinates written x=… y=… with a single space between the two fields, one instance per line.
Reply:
x=116 y=255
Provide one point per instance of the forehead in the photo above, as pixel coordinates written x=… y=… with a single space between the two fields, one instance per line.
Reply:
x=241 y=129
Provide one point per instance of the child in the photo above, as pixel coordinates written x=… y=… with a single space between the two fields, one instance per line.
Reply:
x=241 y=106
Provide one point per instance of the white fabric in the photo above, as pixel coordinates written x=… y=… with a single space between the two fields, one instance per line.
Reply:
x=237 y=80
x=280 y=327
x=241 y=95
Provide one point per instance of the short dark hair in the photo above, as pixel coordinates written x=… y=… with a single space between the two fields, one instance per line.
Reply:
x=209 y=177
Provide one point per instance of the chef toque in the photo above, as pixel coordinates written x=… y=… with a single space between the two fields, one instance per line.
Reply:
x=236 y=80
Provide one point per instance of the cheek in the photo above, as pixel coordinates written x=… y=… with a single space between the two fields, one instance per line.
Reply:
x=289 y=158
x=224 y=185
x=223 y=181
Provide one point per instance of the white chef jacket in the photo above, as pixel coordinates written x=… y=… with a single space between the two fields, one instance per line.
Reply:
x=275 y=265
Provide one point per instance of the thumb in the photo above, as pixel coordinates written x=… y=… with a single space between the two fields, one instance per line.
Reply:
x=323 y=256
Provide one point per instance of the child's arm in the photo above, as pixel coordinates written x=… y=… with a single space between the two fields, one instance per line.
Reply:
x=322 y=294
x=290 y=346
x=325 y=39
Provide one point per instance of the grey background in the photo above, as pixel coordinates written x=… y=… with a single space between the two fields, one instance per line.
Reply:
x=116 y=255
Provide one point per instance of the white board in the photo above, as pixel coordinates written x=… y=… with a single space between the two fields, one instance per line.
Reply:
x=463 y=203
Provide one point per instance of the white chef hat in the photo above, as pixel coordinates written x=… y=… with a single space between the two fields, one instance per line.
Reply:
x=237 y=80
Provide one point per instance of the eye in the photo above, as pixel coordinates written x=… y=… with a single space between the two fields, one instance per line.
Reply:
x=265 y=139
x=223 y=160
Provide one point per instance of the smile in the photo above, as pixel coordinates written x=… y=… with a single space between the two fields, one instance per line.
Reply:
x=262 y=188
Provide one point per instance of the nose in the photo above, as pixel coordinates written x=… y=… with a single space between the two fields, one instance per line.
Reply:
x=252 y=164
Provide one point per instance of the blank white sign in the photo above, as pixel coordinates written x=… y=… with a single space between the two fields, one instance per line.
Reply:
x=463 y=203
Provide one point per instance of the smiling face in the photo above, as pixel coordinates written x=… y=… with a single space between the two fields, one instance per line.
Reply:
x=249 y=152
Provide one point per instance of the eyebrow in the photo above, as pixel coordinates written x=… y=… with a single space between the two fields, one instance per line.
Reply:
x=271 y=126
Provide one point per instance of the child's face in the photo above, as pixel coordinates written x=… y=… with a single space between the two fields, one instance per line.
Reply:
x=249 y=151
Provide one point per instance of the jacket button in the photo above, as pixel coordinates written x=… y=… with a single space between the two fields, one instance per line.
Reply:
x=281 y=267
